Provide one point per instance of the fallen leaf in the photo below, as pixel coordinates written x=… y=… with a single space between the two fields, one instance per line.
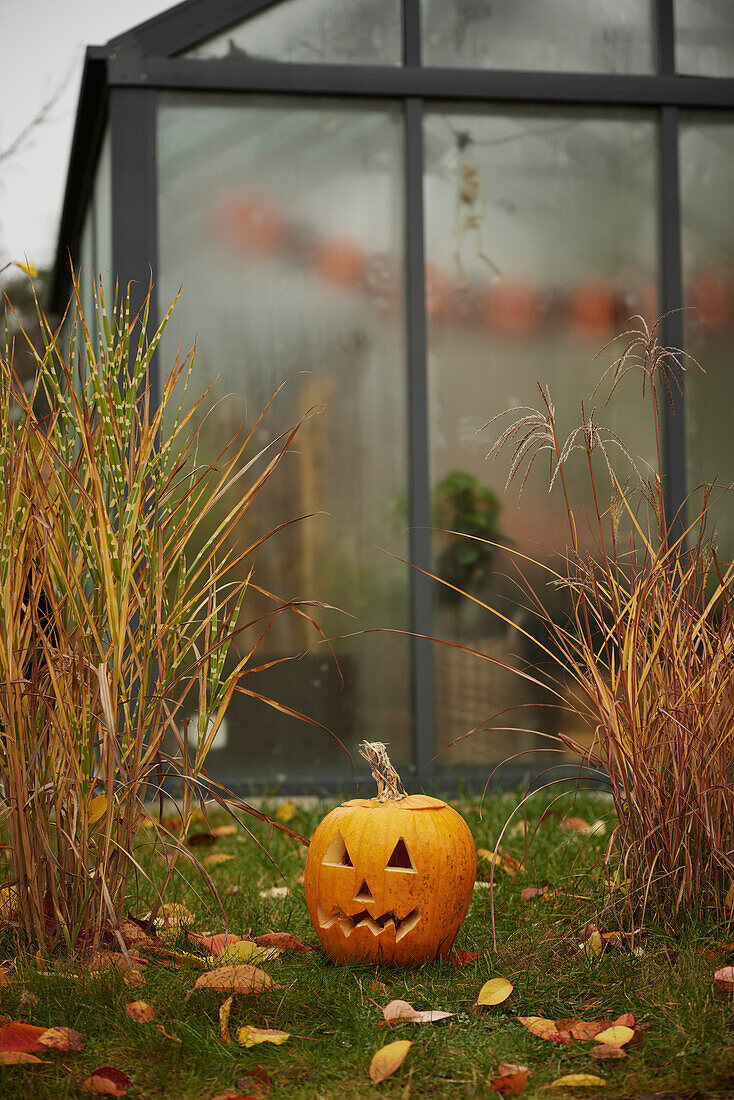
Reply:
x=464 y=958
x=172 y=917
x=511 y=1079
x=575 y=825
x=62 y=1039
x=134 y=977
x=502 y=859
x=286 y=811
x=167 y=1034
x=388 y=1059
x=240 y=978
x=531 y=892
x=15 y=1057
x=141 y=1012
x=724 y=979
x=284 y=941
x=18 y=1036
x=244 y=951
x=494 y=992
x=225 y=830
x=202 y=840
x=481 y=885
x=255 y=1081
x=249 y=1036
x=215 y=943
x=576 y=1081
x=275 y=892
x=224 y=1013
x=216 y=859
x=615 y=1036
x=606 y=1050
x=403 y=1012
x=543 y=1028
x=106 y=1081
x=593 y=944
x=135 y=936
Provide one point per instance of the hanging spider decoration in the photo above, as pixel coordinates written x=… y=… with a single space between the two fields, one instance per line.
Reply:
x=471 y=210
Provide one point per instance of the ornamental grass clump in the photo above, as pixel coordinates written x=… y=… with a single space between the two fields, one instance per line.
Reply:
x=648 y=646
x=122 y=584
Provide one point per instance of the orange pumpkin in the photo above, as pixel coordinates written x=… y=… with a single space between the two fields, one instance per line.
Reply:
x=389 y=879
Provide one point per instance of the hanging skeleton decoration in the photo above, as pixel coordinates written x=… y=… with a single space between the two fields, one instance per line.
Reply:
x=471 y=209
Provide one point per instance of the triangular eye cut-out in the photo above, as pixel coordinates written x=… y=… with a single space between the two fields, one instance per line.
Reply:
x=337 y=854
x=400 y=859
x=364 y=893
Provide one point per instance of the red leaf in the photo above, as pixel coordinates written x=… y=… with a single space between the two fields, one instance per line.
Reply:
x=107 y=1081
x=464 y=958
x=256 y=1081
x=215 y=944
x=17 y=1036
x=284 y=941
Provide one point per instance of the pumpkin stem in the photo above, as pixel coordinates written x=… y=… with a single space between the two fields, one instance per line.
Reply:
x=389 y=786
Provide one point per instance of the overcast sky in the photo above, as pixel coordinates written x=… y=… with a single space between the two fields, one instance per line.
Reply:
x=42 y=44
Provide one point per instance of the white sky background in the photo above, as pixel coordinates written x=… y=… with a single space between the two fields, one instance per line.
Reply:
x=41 y=43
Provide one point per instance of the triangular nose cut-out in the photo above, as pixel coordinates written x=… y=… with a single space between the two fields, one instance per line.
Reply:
x=337 y=854
x=364 y=893
x=400 y=859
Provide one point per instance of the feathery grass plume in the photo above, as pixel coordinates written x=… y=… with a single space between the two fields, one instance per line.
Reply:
x=649 y=649
x=118 y=609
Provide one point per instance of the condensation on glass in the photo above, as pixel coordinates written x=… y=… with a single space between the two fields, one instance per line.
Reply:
x=541 y=241
x=704 y=37
x=706 y=170
x=284 y=221
x=362 y=32
x=606 y=36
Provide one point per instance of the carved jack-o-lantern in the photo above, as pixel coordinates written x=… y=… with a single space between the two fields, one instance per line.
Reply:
x=389 y=879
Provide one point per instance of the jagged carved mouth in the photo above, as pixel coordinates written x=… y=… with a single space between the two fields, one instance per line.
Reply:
x=376 y=925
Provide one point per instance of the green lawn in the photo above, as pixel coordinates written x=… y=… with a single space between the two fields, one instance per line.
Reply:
x=685 y=1047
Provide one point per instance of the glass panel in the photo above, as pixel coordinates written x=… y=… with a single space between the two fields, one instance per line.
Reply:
x=540 y=243
x=608 y=36
x=102 y=245
x=704 y=37
x=706 y=167
x=284 y=222
x=363 y=32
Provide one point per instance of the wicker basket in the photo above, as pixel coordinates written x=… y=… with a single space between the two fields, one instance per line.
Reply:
x=470 y=691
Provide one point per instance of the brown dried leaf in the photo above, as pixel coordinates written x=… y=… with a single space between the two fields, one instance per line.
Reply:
x=106 y=1081
x=255 y=1081
x=606 y=1050
x=511 y=1079
x=575 y=825
x=724 y=979
x=284 y=941
x=15 y=1057
x=240 y=978
x=224 y=1013
x=167 y=1034
x=141 y=1012
x=224 y=830
x=63 y=1039
x=531 y=892
x=388 y=1059
x=543 y=1028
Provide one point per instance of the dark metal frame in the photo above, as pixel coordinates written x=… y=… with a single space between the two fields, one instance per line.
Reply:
x=120 y=85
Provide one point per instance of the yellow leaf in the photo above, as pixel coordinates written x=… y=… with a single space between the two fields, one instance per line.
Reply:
x=249 y=1036
x=729 y=899
x=577 y=1080
x=594 y=944
x=494 y=992
x=28 y=267
x=243 y=951
x=97 y=808
x=235 y=979
x=388 y=1059
x=502 y=859
x=172 y=917
x=286 y=811
x=224 y=830
x=216 y=858
x=8 y=902
x=616 y=1036
x=224 y=1012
